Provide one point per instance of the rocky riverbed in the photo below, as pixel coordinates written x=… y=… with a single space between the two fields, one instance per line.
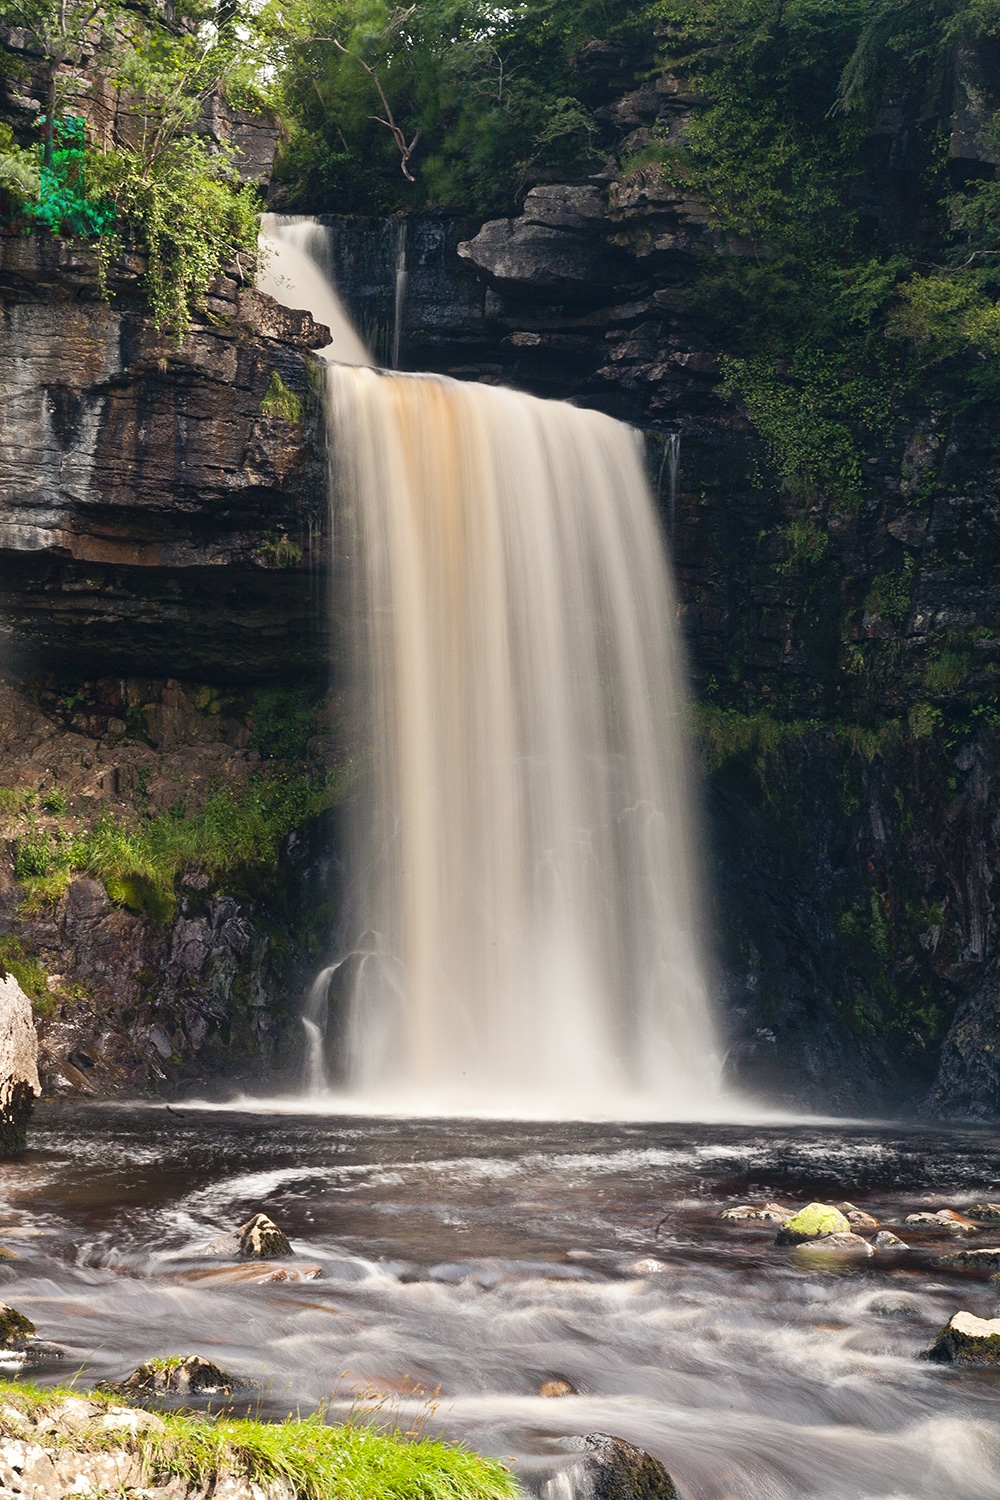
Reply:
x=519 y=1286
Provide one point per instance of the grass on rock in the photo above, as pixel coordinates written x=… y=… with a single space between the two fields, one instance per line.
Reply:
x=354 y=1461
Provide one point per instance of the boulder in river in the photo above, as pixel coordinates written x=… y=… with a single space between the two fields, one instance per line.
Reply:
x=967 y=1340
x=856 y=1217
x=15 y=1328
x=261 y=1239
x=179 y=1375
x=609 y=1468
x=19 y=1086
x=556 y=1388
x=763 y=1213
x=886 y=1240
x=945 y=1218
x=986 y=1213
x=975 y=1260
x=844 y=1243
x=813 y=1222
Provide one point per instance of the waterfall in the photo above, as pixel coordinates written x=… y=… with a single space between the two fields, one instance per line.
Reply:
x=295 y=271
x=526 y=917
x=524 y=840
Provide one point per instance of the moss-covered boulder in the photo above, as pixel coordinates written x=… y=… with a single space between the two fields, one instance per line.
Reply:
x=261 y=1239
x=967 y=1340
x=975 y=1260
x=15 y=1328
x=986 y=1213
x=179 y=1375
x=812 y=1223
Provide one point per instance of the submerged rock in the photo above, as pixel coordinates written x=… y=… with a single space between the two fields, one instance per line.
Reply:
x=765 y=1213
x=19 y=1086
x=252 y=1273
x=842 y=1242
x=973 y=1260
x=815 y=1221
x=945 y=1218
x=886 y=1240
x=967 y=1340
x=648 y=1266
x=609 y=1468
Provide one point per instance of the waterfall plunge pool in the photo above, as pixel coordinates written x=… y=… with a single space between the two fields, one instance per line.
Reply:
x=477 y=1260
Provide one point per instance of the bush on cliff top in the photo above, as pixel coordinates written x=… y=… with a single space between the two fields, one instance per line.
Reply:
x=353 y=1462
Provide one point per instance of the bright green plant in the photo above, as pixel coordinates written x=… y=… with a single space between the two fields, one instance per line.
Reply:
x=279 y=401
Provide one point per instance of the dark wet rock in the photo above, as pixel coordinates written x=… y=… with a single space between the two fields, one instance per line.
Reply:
x=986 y=1259
x=609 y=1468
x=15 y=1328
x=841 y=1243
x=886 y=1240
x=945 y=1218
x=556 y=1388
x=181 y=1376
x=813 y=1222
x=967 y=1340
x=986 y=1213
x=856 y=1217
x=19 y=1085
x=764 y=1213
x=261 y=1239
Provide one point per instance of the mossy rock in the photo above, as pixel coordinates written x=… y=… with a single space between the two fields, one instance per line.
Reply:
x=812 y=1223
x=15 y=1328
x=986 y=1213
x=967 y=1340
x=261 y=1239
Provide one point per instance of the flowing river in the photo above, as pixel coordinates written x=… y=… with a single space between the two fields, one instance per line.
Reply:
x=465 y=1263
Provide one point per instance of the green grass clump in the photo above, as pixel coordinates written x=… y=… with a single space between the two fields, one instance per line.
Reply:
x=27 y=971
x=237 y=832
x=279 y=401
x=354 y=1461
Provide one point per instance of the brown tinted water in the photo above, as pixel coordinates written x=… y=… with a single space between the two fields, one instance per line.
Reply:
x=480 y=1259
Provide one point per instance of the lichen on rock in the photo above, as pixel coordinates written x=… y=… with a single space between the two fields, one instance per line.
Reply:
x=812 y=1223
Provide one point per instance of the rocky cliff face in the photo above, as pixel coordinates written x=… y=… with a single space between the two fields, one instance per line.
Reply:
x=844 y=657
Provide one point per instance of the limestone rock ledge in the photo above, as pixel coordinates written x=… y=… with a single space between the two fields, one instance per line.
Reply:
x=46 y=1456
x=19 y=1085
x=154 y=517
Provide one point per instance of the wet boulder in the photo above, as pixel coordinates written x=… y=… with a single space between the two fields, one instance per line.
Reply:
x=843 y=1243
x=945 y=1218
x=19 y=1086
x=815 y=1221
x=886 y=1240
x=179 y=1375
x=647 y=1266
x=556 y=1388
x=258 y=1239
x=967 y=1340
x=763 y=1213
x=985 y=1213
x=15 y=1328
x=856 y=1217
x=975 y=1260
x=609 y=1468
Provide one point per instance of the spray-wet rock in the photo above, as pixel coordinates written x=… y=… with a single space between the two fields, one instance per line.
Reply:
x=986 y=1259
x=261 y=1239
x=945 y=1218
x=856 y=1217
x=180 y=1375
x=842 y=1243
x=609 y=1468
x=987 y=1213
x=15 y=1328
x=813 y=1222
x=556 y=1388
x=967 y=1340
x=886 y=1240
x=748 y=1213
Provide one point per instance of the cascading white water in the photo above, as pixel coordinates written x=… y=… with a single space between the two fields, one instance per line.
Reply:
x=525 y=848
x=527 y=905
x=294 y=271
